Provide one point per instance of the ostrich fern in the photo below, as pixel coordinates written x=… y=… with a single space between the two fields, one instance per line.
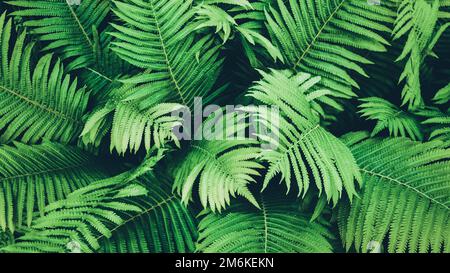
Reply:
x=91 y=157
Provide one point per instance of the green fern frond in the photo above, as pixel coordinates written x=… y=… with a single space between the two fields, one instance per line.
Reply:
x=443 y=95
x=5 y=237
x=213 y=16
x=132 y=127
x=163 y=224
x=418 y=21
x=154 y=79
x=323 y=37
x=440 y=124
x=278 y=227
x=305 y=151
x=158 y=35
x=76 y=34
x=389 y=116
x=179 y=68
x=104 y=74
x=37 y=101
x=32 y=177
x=83 y=218
x=405 y=196
x=67 y=28
x=237 y=19
x=222 y=166
x=131 y=212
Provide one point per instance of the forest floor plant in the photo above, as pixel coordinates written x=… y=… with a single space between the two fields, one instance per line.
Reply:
x=96 y=154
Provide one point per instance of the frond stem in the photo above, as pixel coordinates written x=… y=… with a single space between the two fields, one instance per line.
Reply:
x=318 y=34
x=100 y=74
x=37 y=104
x=266 y=229
x=45 y=171
x=426 y=196
x=79 y=24
x=161 y=39
x=165 y=201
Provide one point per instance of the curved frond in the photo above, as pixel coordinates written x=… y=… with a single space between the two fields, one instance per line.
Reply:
x=157 y=36
x=389 y=116
x=131 y=212
x=443 y=95
x=418 y=21
x=36 y=101
x=222 y=164
x=405 y=196
x=304 y=151
x=32 y=177
x=163 y=224
x=104 y=74
x=439 y=122
x=278 y=227
x=79 y=221
x=324 y=37
x=242 y=20
x=68 y=28
x=131 y=126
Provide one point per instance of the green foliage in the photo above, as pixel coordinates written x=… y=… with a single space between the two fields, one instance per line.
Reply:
x=179 y=64
x=389 y=116
x=69 y=30
x=324 y=44
x=130 y=212
x=439 y=122
x=443 y=95
x=222 y=167
x=302 y=143
x=344 y=103
x=417 y=19
x=131 y=126
x=83 y=217
x=405 y=196
x=163 y=224
x=34 y=176
x=278 y=227
x=43 y=104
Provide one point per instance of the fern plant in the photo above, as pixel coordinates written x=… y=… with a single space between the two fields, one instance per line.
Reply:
x=404 y=194
x=116 y=133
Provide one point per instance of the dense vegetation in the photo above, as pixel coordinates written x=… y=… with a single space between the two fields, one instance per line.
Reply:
x=89 y=158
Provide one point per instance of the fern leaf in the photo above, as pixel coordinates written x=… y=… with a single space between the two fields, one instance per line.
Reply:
x=43 y=104
x=405 y=196
x=223 y=164
x=305 y=151
x=80 y=219
x=323 y=37
x=67 y=28
x=418 y=20
x=443 y=95
x=439 y=122
x=389 y=116
x=278 y=227
x=131 y=212
x=32 y=177
x=133 y=126
x=164 y=224
x=157 y=36
x=179 y=68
